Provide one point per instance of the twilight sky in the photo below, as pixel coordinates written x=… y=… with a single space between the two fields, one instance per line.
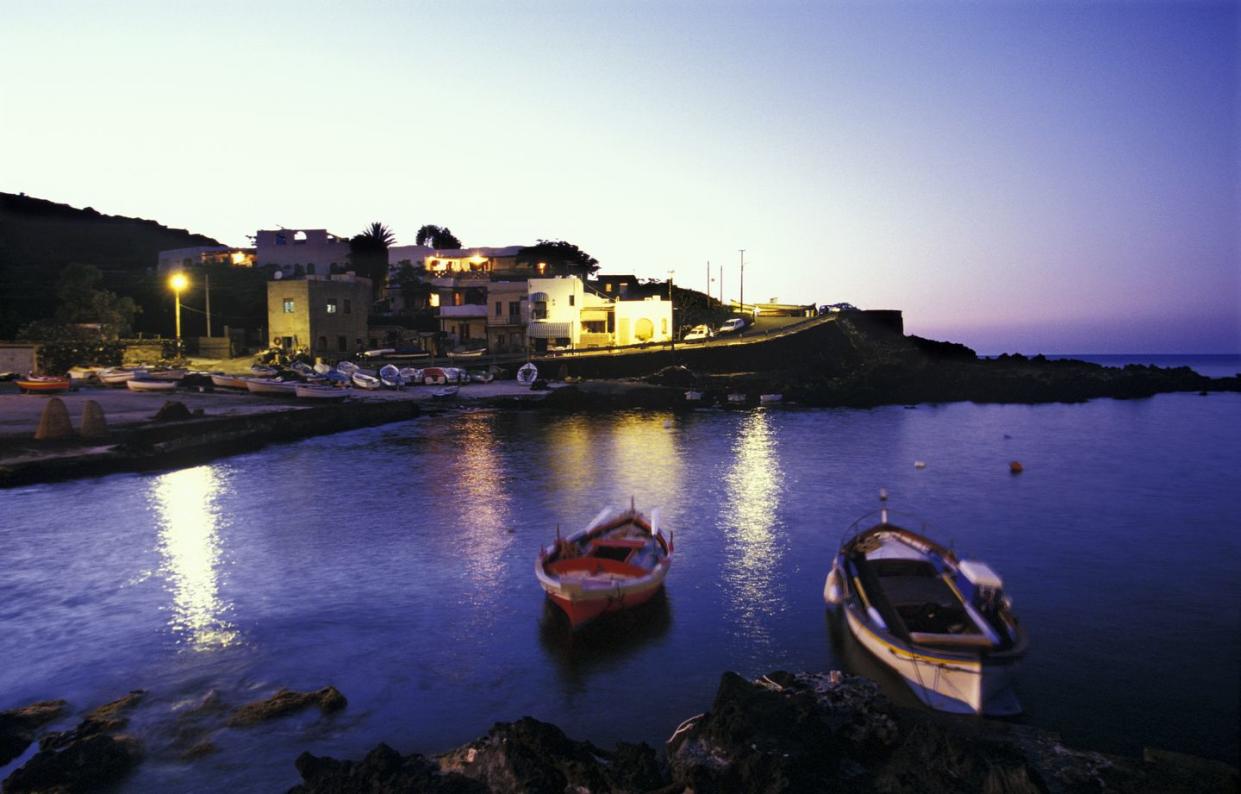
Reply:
x=1036 y=177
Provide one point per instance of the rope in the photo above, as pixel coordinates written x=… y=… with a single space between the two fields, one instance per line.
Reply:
x=684 y=726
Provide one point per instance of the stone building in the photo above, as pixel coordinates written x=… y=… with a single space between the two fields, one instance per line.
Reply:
x=323 y=315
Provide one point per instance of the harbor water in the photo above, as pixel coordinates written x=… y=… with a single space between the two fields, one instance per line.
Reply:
x=397 y=563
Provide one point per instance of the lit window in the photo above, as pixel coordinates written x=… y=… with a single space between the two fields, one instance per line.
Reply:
x=331 y=306
x=288 y=305
x=435 y=299
x=607 y=287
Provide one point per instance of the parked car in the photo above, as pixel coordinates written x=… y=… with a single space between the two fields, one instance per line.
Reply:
x=698 y=333
x=735 y=325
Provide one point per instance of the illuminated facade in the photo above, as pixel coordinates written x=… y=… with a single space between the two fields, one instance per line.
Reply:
x=322 y=315
x=565 y=314
x=204 y=255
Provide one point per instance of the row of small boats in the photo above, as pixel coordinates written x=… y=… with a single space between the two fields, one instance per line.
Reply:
x=734 y=398
x=944 y=624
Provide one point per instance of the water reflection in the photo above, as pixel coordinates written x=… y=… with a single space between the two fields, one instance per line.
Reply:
x=603 y=643
x=482 y=501
x=190 y=545
x=646 y=463
x=751 y=503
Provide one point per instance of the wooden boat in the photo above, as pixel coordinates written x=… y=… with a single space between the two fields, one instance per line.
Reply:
x=262 y=371
x=367 y=382
x=7 y=376
x=482 y=376
x=475 y=353
x=84 y=373
x=44 y=384
x=411 y=374
x=166 y=374
x=527 y=374
x=347 y=367
x=434 y=376
x=943 y=624
x=222 y=381
x=147 y=384
x=306 y=391
x=390 y=377
x=321 y=368
x=618 y=561
x=286 y=388
x=118 y=376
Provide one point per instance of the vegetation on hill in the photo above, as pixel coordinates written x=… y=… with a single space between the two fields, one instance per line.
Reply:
x=39 y=239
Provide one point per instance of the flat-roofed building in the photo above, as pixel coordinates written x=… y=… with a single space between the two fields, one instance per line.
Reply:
x=322 y=315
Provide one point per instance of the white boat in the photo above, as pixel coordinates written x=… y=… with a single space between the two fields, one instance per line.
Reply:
x=527 y=374
x=736 y=398
x=367 y=382
x=172 y=374
x=390 y=377
x=322 y=368
x=118 y=376
x=347 y=367
x=475 y=353
x=693 y=396
x=446 y=393
x=482 y=376
x=222 y=381
x=306 y=391
x=411 y=374
x=768 y=399
x=943 y=624
x=286 y=388
x=84 y=373
x=263 y=371
x=144 y=384
x=378 y=353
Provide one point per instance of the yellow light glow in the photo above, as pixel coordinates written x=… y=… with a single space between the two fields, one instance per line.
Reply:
x=178 y=282
x=752 y=505
x=478 y=260
x=239 y=258
x=190 y=545
x=542 y=266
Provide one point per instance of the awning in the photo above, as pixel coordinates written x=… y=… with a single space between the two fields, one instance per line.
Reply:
x=545 y=330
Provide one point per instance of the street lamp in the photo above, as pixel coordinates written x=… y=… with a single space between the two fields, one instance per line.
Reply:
x=178 y=282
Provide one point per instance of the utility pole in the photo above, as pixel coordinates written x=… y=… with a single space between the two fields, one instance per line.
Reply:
x=672 y=312
x=721 y=286
x=742 y=250
x=207 y=289
x=708 y=284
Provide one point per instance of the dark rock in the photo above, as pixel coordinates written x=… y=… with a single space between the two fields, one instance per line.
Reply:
x=104 y=719
x=17 y=726
x=84 y=765
x=675 y=375
x=382 y=770
x=172 y=411
x=199 y=750
x=533 y=756
x=286 y=701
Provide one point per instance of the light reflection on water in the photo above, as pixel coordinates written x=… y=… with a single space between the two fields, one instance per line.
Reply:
x=189 y=543
x=484 y=526
x=749 y=523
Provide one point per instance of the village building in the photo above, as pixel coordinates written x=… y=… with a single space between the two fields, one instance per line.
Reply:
x=204 y=255
x=322 y=315
x=566 y=314
x=297 y=252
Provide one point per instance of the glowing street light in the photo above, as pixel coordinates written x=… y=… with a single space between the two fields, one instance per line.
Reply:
x=178 y=282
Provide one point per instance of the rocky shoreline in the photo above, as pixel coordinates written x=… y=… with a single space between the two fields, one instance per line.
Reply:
x=782 y=732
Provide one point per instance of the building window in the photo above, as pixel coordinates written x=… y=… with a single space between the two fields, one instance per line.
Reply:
x=359 y=343
x=310 y=269
x=571 y=299
x=322 y=343
x=342 y=343
x=607 y=287
x=331 y=306
x=540 y=310
x=663 y=326
x=348 y=306
x=435 y=300
x=288 y=306
x=499 y=307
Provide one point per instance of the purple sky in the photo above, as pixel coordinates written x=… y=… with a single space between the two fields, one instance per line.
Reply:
x=1036 y=177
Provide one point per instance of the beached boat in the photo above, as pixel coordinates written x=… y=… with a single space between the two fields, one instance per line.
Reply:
x=347 y=367
x=390 y=377
x=434 y=376
x=620 y=560
x=222 y=381
x=306 y=391
x=943 y=624
x=693 y=396
x=411 y=374
x=737 y=398
x=148 y=384
x=84 y=373
x=285 y=388
x=769 y=399
x=43 y=384
x=446 y=393
x=118 y=376
x=475 y=353
x=322 y=368
x=527 y=374
x=368 y=382
x=170 y=374
x=262 y=371
x=8 y=375
x=482 y=376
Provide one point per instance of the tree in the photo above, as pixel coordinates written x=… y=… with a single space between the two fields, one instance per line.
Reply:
x=437 y=237
x=81 y=302
x=414 y=291
x=368 y=252
x=562 y=258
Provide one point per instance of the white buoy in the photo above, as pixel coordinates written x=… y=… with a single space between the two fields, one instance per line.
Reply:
x=919 y=464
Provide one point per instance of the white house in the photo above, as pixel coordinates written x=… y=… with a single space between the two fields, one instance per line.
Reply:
x=564 y=313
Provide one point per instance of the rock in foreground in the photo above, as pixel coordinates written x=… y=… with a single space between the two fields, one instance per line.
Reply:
x=17 y=726
x=328 y=699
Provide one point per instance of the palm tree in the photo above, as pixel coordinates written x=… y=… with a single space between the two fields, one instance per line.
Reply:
x=369 y=253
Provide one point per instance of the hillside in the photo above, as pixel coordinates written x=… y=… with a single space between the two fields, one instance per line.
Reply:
x=38 y=238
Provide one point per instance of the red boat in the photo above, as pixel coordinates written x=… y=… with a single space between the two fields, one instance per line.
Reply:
x=44 y=384
x=619 y=561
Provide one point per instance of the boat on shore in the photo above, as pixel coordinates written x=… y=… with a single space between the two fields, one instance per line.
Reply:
x=308 y=391
x=445 y=393
x=170 y=374
x=150 y=384
x=943 y=624
x=390 y=377
x=363 y=381
x=44 y=384
x=527 y=374
x=285 y=388
x=620 y=560
x=118 y=376
x=222 y=381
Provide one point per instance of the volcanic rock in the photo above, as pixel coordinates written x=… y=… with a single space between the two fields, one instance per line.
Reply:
x=286 y=701
x=17 y=726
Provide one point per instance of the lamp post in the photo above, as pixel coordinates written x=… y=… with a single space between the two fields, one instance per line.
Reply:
x=178 y=282
x=742 y=250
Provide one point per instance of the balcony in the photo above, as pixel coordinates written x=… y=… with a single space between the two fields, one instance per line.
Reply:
x=466 y=311
x=506 y=319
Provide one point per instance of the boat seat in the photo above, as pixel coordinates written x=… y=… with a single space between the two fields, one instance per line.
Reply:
x=950 y=640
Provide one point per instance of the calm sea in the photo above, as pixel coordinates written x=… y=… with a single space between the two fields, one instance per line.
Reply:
x=397 y=563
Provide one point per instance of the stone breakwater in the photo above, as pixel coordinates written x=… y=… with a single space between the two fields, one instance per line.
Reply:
x=176 y=437
x=782 y=732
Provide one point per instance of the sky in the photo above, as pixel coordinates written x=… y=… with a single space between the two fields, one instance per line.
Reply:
x=1017 y=176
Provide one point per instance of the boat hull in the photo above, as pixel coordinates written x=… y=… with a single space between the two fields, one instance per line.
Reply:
x=583 y=609
x=229 y=382
x=150 y=385
x=272 y=388
x=44 y=385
